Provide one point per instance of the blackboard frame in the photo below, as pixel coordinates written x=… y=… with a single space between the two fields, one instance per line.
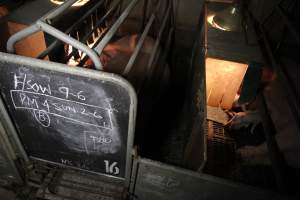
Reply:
x=87 y=73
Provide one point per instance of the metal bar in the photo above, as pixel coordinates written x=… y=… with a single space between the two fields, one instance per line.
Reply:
x=84 y=59
x=138 y=46
x=59 y=10
x=78 y=45
x=289 y=25
x=85 y=37
x=151 y=60
x=99 y=48
x=20 y=35
x=141 y=41
x=146 y=3
x=290 y=96
x=11 y=131
x=69 y=30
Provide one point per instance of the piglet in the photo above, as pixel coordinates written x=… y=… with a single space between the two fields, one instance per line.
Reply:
x=245 y=119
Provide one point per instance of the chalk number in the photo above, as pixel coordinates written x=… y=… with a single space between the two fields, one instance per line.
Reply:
x=111 y=168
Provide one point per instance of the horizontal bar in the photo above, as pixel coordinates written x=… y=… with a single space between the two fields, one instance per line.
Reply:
x=99 y=48
x=73 y=42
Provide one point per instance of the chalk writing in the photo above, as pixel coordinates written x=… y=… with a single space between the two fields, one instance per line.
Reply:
x=111 y=168
x=95 y=140
x=21 y=82
x=67 y=93
x=42 y=117
x=71 y=110
x=66 y=162
x=31 y=95
x=161 y=181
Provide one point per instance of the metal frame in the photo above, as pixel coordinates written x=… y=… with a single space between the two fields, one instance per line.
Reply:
x=69 y=30
x=44 y=24
x=35 y=63
x=41 y=25
x=10 y=129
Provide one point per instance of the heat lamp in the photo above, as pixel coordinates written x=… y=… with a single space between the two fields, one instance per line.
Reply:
x=228 y=19
x=77 y=4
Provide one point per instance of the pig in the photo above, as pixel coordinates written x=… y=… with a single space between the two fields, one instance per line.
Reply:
x=116 y=55
x=244 y=120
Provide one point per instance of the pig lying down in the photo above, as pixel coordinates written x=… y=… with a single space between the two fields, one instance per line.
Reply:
x=116 y=55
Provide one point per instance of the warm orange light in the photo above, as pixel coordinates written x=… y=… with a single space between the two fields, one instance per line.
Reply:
x=223 y=80
x=72 y=61
x=77 y=4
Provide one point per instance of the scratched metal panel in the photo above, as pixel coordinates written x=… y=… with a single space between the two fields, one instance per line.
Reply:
x=159 y=181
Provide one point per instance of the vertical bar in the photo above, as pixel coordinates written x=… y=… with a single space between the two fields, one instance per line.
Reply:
x=70 y=29
x=138 y=46
x=151 y=60
x=78 y=45
x=20 y=35
x=11 y=131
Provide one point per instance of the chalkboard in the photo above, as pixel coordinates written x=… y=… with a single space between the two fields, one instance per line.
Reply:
x=70 y=116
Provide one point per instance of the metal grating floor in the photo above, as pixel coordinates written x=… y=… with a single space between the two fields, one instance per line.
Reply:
x=220 y=150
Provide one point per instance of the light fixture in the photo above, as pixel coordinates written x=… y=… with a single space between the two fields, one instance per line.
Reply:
x=228 y=19
x=77 y=4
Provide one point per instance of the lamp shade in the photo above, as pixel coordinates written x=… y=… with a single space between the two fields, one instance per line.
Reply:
x=228 y=19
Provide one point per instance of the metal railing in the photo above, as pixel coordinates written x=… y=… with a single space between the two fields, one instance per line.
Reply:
x=80 y=43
